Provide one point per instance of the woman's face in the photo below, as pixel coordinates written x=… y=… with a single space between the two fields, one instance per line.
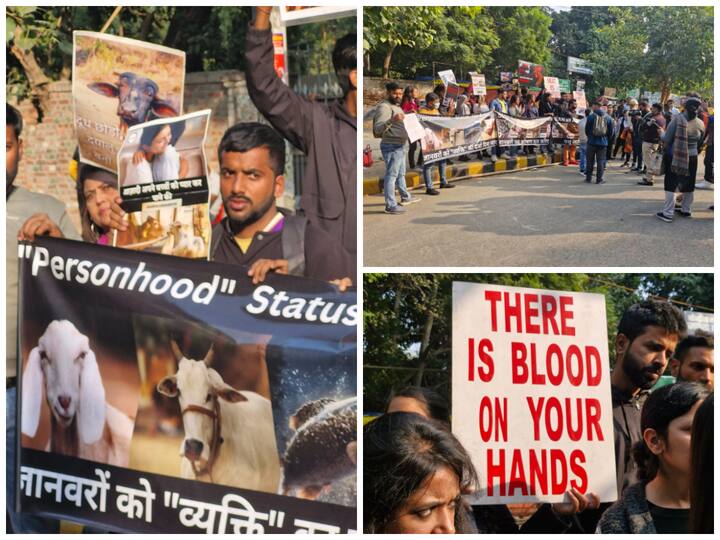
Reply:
x=161 y=141
x=98 y=196
x=675 y=456
x=408 y=405
x=431 y=508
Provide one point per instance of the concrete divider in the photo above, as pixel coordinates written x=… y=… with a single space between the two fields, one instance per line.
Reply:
x=467 y=169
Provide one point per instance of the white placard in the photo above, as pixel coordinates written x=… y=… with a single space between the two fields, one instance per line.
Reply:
x=413 y=127
x=447 y=76
x=478 y=83
x=531 y=392
x=552 y=86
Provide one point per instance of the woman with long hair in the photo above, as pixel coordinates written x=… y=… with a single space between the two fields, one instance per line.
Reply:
x=660 y=501
x=156 y=159
x=414 y=474
x=702 y=468
x=98 y=201
x=410 y=105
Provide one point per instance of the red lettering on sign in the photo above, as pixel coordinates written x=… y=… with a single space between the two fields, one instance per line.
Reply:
x=538 y=472
x=493 y=297
x=492 y=419
x=592 y=411
x=579 y=369
x=577 y=460
x=592 y=356
x=530 y=312
x=487 y=370
x=566 y=315
x=517 y=474
x=495 y=471
x=558 y=466
x=556 y=417
x=549 y=308
x=513 y=312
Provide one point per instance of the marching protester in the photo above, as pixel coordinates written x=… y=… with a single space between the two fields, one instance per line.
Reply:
x=637 y=137
x=255 y=232
x=694 y=360
x=500 y=104
x=597 y=129
x=411 y=105
x=702 y=481
x=612 y=134
x=582 y=140
x=327 y=134
x=660 y=501
x=431 y=108
x=653 y=127
x=682 y=142
x=36 y=214
x=389 y=128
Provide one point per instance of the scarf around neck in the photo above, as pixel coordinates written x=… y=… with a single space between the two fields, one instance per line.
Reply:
x=680 y=159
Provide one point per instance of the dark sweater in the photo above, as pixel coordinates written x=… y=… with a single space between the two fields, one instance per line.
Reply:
x=630 y=514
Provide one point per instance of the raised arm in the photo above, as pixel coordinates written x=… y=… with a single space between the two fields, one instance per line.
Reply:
x=288 y=113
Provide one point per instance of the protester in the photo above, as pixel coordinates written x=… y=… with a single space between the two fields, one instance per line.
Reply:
x=709 y=179
x=463 y=108
x=546 y=108
x=568 y=111
x=327 y=134
x=422 y=401
x=500 y=104
x=612 y=134
x=621 y=120
x=414 y=472
x=660 y=501
x=694 y=359
x=582 y=140
x=255 y=232
x=410 y=105
x=597 y=128
x=702 y=479
x=682 y=141
x=388 y=126
x=637 y=136
x=652 y=131
x=626 y=136
x=432 y=102
x=531 y=111
x=37 y=214
x=516 y=110
x=670 y=107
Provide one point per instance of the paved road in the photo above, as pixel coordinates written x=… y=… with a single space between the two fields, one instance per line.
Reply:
x=540 y=217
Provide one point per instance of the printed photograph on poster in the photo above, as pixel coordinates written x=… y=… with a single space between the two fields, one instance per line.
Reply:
x=519 y=131
x=118 y=83
x=478 y=83
x=163 y=183
x=530 y=74
x=445 y=137
x=447 y=77
x=580 y=99
x=565 y=130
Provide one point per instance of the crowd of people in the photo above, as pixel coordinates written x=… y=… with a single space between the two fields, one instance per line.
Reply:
x=661 y=139
x=415 y=471
x=319 y=242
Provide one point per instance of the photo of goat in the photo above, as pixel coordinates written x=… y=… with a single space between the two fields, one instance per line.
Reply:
x=315 y=412
x=119 y=83
x=201 y=418
x=81 y=414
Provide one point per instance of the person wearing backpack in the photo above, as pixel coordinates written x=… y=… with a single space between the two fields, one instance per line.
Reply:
x=257 y=233
x=598 y=128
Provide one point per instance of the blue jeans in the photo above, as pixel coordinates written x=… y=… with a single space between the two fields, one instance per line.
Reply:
x=595 y=152
x=20 y=523
x=394 y=156
x=427 y=174
x=583 y=153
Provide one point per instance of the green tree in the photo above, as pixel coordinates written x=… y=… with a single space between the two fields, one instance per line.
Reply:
x=386 y=28
x=524 y=35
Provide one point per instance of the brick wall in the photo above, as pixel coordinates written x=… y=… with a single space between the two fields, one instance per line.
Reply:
x=50 y=144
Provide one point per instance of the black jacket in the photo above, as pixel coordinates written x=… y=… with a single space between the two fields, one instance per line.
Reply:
x=327 y=134
x=324 y=259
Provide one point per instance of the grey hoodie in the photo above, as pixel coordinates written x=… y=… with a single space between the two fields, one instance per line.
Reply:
x=384 y=127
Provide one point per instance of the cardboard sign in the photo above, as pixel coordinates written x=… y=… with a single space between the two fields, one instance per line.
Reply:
x=413 y=128
x=478 y=83
x=447 y=77
x=565 y=86
x=452 y=92
x=580 y=85
x=579 y=97
x=506 y=76
x=529 y=73
x=531 y=392
x=552 y=85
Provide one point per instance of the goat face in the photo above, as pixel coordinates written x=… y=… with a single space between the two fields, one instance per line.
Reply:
x=64 y=360
x=197 y=384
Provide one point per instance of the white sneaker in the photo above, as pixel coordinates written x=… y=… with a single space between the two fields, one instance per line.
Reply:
x=505 y=155
x=704 y=185
x=493 y=158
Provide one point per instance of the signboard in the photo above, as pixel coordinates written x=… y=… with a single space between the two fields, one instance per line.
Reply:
x=506 y=76
x=478 y=83
x=118 y=83
x=580 y=85
x=579 y=97
x=531 y=392
x=578 y=65
x=163 y=182
x=634 y=93
x=447 y=77
x=452 y=91
x=530 y=74
x=295 y=15
x=196 y=398
x=565 y=86
x=609 y=92
x=552 y=86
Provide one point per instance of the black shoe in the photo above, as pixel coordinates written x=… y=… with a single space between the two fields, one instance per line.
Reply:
x=447 y=186
x=463 y=158
x=644 y=182
x=588 y=181
x=432 y=191
x=600 y=182
x=683 y=214
x=663 y=217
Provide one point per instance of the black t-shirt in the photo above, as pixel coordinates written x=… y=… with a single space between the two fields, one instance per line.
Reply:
x=670 y=520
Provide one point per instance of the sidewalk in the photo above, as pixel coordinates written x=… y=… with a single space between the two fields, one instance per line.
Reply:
x=373 y=176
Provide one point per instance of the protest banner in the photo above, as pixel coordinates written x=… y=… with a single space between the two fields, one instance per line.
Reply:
x=296 y=15
x=140 y=355
x=522 y=131
x=163 y=182
x=530 y=74
x=118 y=83
x=580 y=99
x=446 y=137
x=565 y=130
x=506 y=76
x=478 y=84
x=577 y=65
x=552 y=86
x=565 y=86
x=447 y=77
x=580 y=85
x=531 y=392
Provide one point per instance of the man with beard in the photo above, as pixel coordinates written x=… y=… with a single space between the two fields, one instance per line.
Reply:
x=38 y=214
x=255 y=232
x=694 y=361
